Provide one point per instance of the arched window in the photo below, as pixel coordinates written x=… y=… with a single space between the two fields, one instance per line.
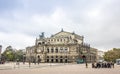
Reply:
x=56 y=56
x=61 y=57
x=51 y=56
x=64 y=40
x=52 y=50
x=56 y=50
x=51 y=39
x=61 y=40
x=47 y=50
x=39 y=43
x=61 y=50
x=58 y=40
x=65 y=56
x=38 y=56
x=65 y=50
x=56 y=60
x=54 y=39
x=47 y=56
x=43 y=42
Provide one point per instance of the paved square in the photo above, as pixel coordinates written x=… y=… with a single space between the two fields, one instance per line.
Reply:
x=61 y=69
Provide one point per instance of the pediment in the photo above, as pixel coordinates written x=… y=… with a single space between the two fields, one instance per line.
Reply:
x=60 y=34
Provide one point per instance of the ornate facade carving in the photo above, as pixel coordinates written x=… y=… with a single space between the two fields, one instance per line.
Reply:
x=60 y=47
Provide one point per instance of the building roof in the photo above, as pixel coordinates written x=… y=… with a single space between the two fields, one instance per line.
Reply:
x=64 y=33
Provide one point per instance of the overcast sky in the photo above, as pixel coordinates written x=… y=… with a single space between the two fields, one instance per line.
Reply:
x=21 y=21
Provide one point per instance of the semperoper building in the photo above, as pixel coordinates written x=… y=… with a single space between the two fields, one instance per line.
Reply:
x=62 y=47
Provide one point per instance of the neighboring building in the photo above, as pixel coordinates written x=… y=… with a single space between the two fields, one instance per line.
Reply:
x=31 y=53
x=0 y=51
x=100 y=56
x=22 y=50
x=93 y=54
x=60 y=47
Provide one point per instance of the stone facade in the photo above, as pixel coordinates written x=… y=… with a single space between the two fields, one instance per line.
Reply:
x=100 y=56
x=59 y=48
x=93 y=54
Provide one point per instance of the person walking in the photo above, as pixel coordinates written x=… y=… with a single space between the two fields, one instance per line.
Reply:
x=112 y=64
x=86 y=64
x=93 y=65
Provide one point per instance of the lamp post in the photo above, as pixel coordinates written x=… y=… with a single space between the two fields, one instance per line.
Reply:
x=80 y=53
x=64 y=56
x=30 y=57
x=85 y=61
x=24 y=58
x=45 y=57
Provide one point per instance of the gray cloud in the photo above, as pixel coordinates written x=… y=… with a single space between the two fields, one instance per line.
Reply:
x=98 y=21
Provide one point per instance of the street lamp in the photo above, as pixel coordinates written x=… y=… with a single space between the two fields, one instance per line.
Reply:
x=30 y=60
x=24 y=58
x=85 y=61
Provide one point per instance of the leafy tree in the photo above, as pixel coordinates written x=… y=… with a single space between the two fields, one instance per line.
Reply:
x=112 y=55
x=12 y=55
x=9 y=54
x=19 y=55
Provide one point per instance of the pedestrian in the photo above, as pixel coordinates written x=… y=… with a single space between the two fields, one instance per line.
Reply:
x=108 y=65
x=35 y=61
x=112 y=64
x=93 y=65
x=86 y=65
x=29 y=63
x=102 y=65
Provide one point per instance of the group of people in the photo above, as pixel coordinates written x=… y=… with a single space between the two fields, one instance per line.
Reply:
x=103 y=65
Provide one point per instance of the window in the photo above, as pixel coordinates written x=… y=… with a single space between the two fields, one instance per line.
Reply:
x=57 y=39
x=56 y=60
x=61 y=57
x=52 y=60
x=48 y=50
x=61 y=50
x=66 y=60
x=47 y=60
x=64 y=39
x=51 y=56
x=65 y=50
x=47 y=56
x=61 y=40
x=61 y=60
x=38 y=56
x=39 y=43
x=56 y=50
x=65 y=56
x=54 y=39
x=56 y=56
x=52 y=50
x=51 y=39
x=43 y=42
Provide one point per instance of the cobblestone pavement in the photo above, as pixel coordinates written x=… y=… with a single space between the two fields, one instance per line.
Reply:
x=59 y=69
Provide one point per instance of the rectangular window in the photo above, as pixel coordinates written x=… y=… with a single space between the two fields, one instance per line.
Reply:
x=56 y=50
x=52 y=50
x=47 y=50
x=57 y=39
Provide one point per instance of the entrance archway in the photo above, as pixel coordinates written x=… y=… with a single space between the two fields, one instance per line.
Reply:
x=56 y=60
x=61 y=60
x=66 y=60
x=52 y=60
